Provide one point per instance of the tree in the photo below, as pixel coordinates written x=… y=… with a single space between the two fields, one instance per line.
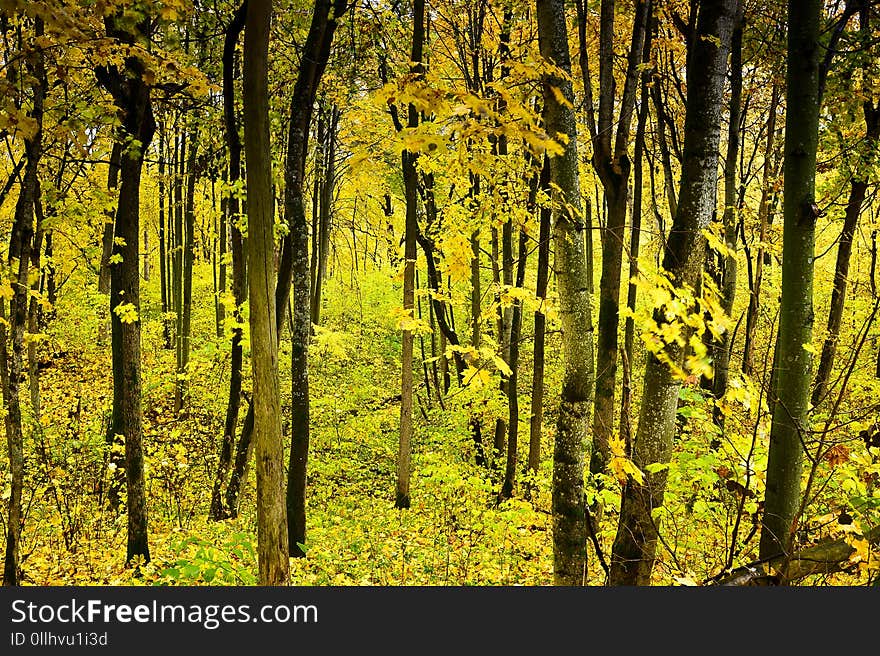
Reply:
x=239 y=263
x=792 y=362
x=572 y=443
x=410 y=181
x=272 y=549
x=131 y=94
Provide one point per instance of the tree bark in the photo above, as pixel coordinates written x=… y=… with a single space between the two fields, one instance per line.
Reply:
x=635 y=241
x=272 y=545
x=296 y=250
x=857 y=194
x=763 y=221
x=507 y=487
x=721 y=347
x=163 y=250
x=322 y=240
x=572 y=444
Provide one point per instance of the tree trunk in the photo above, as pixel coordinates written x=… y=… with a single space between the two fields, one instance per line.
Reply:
x=537 y=417
x=857 y=194
x=239 y=285
x=183 y=340
x=107 y=235
x=634 y=547
x=613 y=168
x=322 y=243
x=20 y=247
x=316 y=54
x=132 y=98
x=790 y=393
x=163 y=251
x=722 y=346
x=507 y=486
x=569 y=518
x=410 y=181
x=177 y=266
x=763 y=214
x=635 y=239
x=272 y=549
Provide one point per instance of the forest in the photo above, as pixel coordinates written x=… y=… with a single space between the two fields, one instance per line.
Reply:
x=440 y=292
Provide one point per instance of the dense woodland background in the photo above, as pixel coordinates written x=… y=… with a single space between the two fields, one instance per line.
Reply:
x=451 y=292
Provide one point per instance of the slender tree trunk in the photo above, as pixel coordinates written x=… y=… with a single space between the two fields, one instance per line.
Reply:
x=613 y=168
x=132 y=98
x=325 y=215
x=410 y=181
x=239 y=284
x=857 y=194
x=316 y=54
x=163 y=250
x=572 y=430
x=222 y=250
x=634 y=547
x=635 y=239
x=537 y=417
x=790 y=396
x=33 y=326
x=20 y=248
x=509 y=483
x=182 y=385
x=721 y=347
x=107 y=235
x=272 y=544
x=763 y=214
x=177 y=264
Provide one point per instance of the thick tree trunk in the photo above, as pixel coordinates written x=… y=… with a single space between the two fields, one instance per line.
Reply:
x=792 y=363
x=634 y=547
x=572 y=443
x=132 y=98
x=272 y=545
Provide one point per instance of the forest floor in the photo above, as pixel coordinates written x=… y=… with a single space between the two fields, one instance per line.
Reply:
x=454 y=533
